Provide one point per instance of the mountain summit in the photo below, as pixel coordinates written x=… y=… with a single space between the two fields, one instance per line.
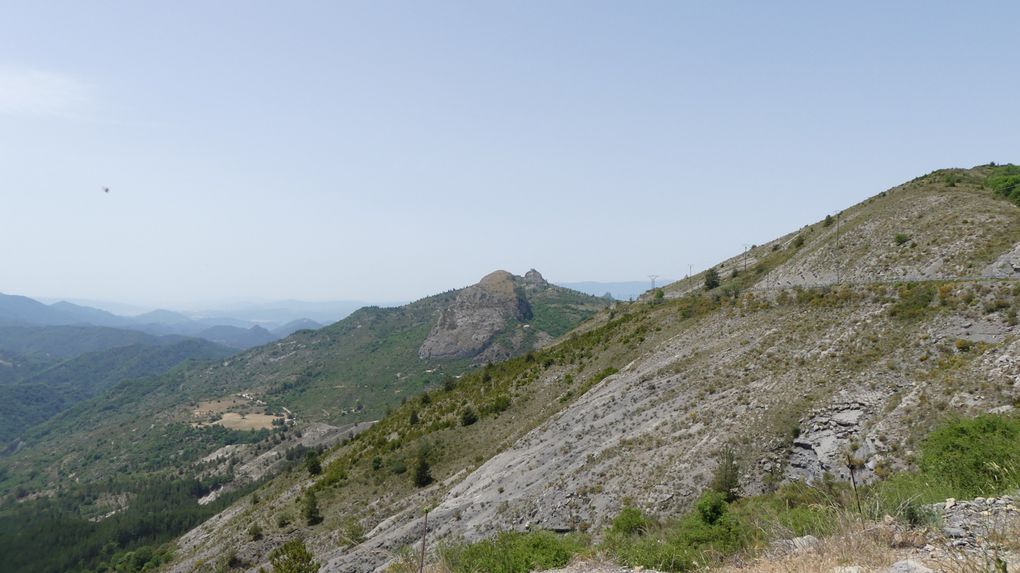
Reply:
x=469 y=326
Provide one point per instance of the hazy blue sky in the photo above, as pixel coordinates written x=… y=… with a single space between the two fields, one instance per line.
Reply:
x=388 y=150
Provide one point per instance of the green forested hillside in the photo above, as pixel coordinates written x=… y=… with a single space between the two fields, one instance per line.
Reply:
x=15 y=367
x=60 y=534
x=351 y=371
x=40 y=396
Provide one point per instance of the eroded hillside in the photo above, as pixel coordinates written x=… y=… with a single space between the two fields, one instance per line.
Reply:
x=780 y=362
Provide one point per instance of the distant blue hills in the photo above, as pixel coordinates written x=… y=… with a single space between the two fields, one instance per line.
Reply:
x=230 y=331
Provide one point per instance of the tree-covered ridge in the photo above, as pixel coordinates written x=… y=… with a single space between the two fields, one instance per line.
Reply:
x=117 y=525
x=42 y=395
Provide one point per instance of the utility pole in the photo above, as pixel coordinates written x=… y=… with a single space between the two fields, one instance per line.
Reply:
x=746 y=247
x=425 y=531
x=652 y=278
x=837 y=248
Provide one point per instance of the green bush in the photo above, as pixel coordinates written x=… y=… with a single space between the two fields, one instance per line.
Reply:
x=914 y=300
x=293 y=557
x=498 y=404
x=711 y=507
x=1005 y=181
x=397 y=466
x=793 y=510
x=515 y=552
x=353 y=531
x=976 y=456
x=710 y=531
x=630 y=521
x=962 y=458
x=603 y=374
x=900 y=238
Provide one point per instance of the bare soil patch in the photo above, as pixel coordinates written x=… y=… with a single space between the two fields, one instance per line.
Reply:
x=236 y=421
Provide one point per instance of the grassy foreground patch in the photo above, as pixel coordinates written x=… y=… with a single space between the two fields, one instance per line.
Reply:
x=514 y=552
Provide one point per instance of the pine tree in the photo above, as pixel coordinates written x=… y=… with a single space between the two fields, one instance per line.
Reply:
x=310 y=509
x=726 y=479
x=422 y=472
x=711 y=279
x=313 y=464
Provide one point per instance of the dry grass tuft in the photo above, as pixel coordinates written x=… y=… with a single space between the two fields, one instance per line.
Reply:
x=867 y=547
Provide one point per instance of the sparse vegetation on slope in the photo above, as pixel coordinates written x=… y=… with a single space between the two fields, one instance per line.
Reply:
x=965 y=457
x=367 y=478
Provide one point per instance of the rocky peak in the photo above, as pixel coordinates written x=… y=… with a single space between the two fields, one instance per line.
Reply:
x=497 y=283
x=476 y=316
x=534 y=278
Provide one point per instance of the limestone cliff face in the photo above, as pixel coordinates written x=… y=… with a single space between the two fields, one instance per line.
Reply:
x=480 y=313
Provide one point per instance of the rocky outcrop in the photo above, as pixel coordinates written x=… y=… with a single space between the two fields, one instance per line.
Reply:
x=828 y=435
x=977 y=523
x=1006 y=266
x=534 y=278
x=479 y=313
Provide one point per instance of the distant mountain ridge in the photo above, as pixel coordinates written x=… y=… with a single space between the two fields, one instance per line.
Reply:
x=623 y=290
x=233 y=332
x=236 y=337
x=293 y=326
x=15 y=309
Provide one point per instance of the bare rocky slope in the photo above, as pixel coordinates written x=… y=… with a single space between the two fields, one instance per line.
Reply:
x=782 y=362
